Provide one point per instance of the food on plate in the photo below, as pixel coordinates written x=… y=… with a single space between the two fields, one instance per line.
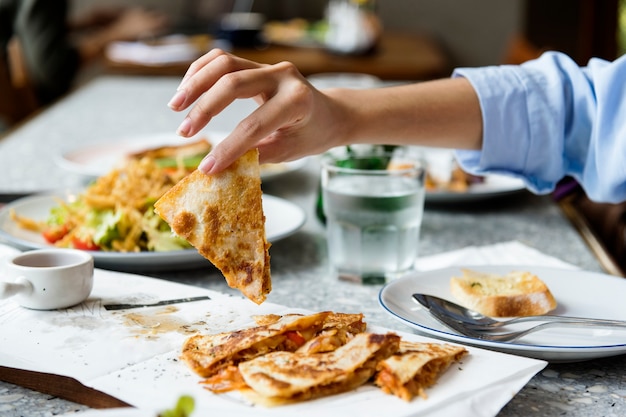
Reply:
x=338 y=328
x=115 y=213
x=415 y=367
x=182 y=158
x=518 y=293
x=294 y=357
x=456 y=180
x=222 y=217
x=295 y=31
x=185 y=157
x=285 y=377
x=207 y=355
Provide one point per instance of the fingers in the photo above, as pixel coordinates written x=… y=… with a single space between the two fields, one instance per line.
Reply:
x=236 y=85
x=281 y=116
x=204 y=73
x=216 y=79
x=283 y=112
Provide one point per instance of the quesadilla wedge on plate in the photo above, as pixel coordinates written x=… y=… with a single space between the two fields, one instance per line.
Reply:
x=279 y=378
x=415 y=367
x=337 y=329
x=222 y=217
x=207 y=355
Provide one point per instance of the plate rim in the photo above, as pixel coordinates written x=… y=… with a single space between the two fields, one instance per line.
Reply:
x=516 y=185
x=142 y=141
x=512 y=184
x=538 y=351
x=135 y=260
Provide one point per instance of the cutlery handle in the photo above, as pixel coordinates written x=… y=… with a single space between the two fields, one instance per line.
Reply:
x=573 y=320
x=157 y=304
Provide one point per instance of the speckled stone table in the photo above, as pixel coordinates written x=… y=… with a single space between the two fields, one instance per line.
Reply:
x=115 y=107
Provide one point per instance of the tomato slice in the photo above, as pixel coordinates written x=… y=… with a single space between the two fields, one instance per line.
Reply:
x=55 y=233
x=84 y=245
x=295 y=337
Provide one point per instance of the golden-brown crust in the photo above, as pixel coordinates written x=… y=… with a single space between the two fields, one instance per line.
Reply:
x=208 y=354
x=518 y=293
x=222 y=217
x=415 y=367
x=283 y=377
x=265 y=364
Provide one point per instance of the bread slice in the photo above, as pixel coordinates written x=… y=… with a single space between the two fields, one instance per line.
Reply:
x=222 y=217
x=517 y=293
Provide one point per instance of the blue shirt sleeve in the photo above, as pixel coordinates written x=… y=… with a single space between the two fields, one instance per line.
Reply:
x=549 y=118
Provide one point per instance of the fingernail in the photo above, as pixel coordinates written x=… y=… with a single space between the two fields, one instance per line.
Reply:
x=178 y=99
x=207 y=164
x=185 y=127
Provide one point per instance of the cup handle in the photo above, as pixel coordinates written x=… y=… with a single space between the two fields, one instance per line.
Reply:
x=20 y=286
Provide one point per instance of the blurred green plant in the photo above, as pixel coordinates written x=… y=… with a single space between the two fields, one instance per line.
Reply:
x=184 y=407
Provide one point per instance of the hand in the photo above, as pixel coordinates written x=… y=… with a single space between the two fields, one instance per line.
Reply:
x=293 y=118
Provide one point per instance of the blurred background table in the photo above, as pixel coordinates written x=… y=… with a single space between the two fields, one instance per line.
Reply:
x=399 y=56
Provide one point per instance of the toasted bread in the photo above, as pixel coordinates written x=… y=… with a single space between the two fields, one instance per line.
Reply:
x=222 y=217
x=517 y=293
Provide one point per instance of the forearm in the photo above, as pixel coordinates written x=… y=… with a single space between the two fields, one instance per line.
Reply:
x=442 y=113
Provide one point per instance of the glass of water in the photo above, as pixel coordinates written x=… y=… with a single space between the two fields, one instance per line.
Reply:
x=373 y=201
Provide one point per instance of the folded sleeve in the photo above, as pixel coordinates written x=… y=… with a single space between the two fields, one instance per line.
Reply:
x=550 y=118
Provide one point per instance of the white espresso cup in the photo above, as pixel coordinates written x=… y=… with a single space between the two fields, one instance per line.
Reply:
x=48 y=279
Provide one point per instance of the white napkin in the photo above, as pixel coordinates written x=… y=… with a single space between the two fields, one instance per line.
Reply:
x=505 y=253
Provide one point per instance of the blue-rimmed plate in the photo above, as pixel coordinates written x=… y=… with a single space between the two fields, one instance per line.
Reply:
x=578 y=293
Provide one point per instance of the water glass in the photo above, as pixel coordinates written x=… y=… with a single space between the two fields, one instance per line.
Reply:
x=373 y=202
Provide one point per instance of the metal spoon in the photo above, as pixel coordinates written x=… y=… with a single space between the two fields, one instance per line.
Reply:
x=475 y=320
x=496 y=337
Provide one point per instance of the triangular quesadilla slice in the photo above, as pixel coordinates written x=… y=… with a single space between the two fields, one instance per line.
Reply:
x=338 y=329
x=415 y=367
x=285 y=377
x=222 y=217
x=207 y=355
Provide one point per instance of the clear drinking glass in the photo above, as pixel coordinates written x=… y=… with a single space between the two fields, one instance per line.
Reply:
x=373 y=201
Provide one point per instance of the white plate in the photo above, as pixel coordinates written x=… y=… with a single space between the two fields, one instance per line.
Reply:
x=96 y=160
x=283 y=218
x=493 y=186
x=440 y=164
x=578 y=293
